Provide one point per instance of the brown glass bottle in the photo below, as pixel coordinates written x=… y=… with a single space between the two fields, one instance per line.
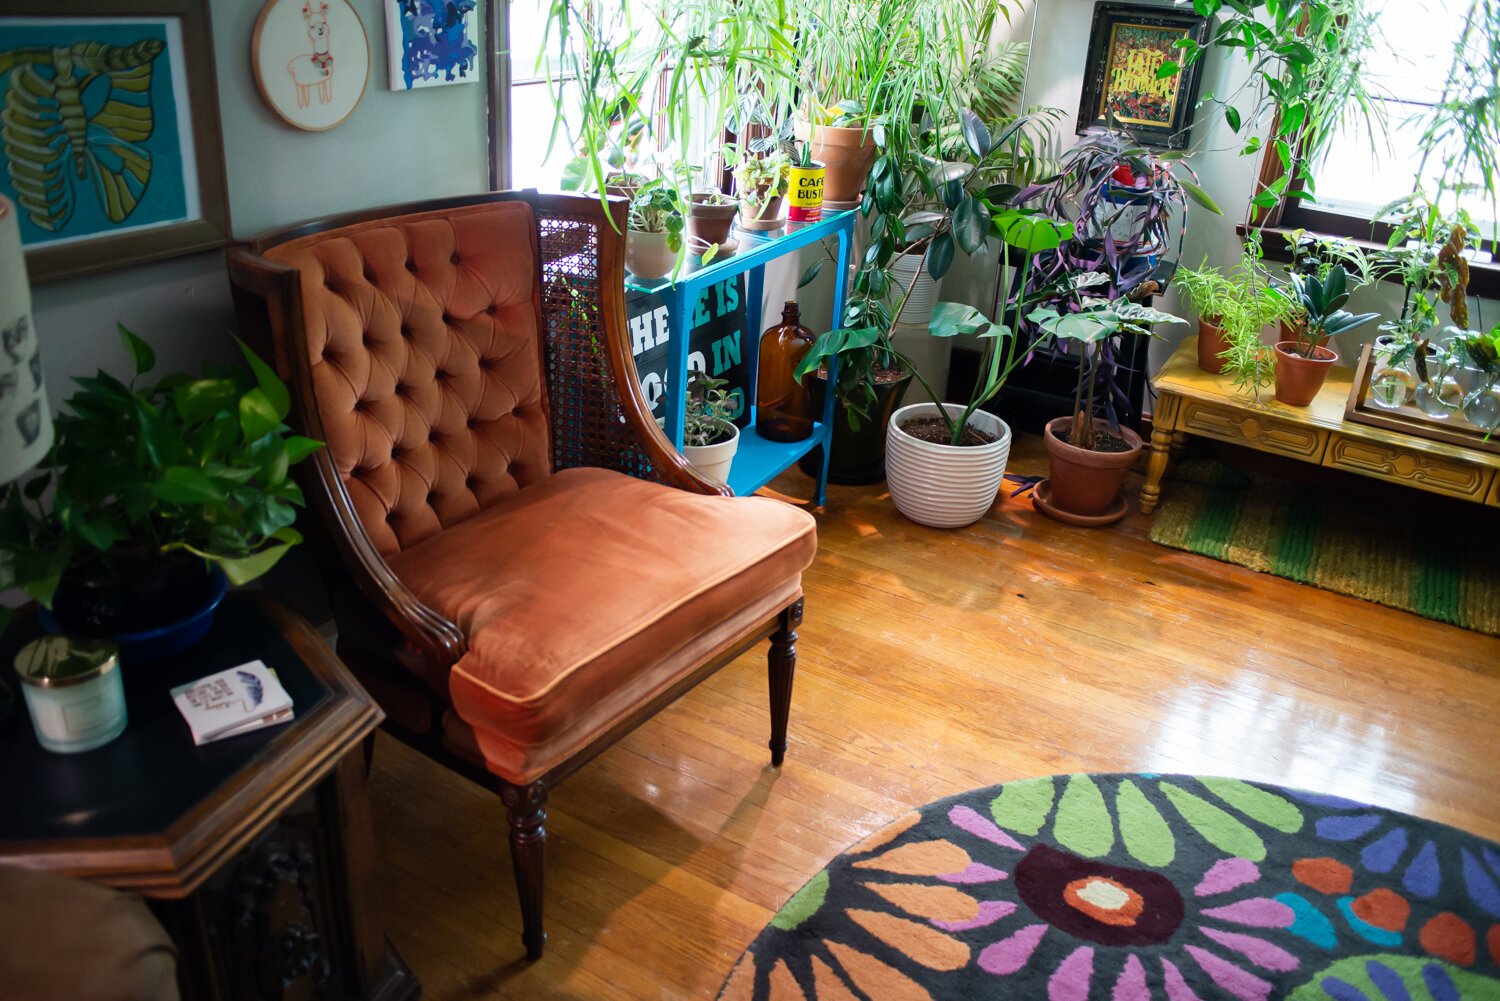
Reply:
x=783 y=405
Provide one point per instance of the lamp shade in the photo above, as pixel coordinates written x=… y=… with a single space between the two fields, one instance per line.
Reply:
x=25 y=418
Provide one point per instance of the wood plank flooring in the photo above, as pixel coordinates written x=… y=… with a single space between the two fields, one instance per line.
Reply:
x=930 y=663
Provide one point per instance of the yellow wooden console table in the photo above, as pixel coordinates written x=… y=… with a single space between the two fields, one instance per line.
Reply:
x=1192 y=401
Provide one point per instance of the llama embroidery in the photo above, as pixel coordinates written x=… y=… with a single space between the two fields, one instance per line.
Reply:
x=315 y=68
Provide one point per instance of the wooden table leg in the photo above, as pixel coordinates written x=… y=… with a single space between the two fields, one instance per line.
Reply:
x=1179 y=445
x=1162 y=427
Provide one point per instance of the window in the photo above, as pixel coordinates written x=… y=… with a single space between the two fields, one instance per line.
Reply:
x=525 y=95
x=1361 y=173
x=1407 y=69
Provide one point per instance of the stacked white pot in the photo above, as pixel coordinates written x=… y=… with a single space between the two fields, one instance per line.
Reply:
x=924 y=294
x=945 y=486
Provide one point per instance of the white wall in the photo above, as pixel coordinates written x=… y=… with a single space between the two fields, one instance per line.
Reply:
x=396 y=146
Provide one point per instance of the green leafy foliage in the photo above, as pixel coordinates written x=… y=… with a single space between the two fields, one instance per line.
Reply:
x=707 y=420
x=141 y=469
x=1322 y=301
x=657 y=208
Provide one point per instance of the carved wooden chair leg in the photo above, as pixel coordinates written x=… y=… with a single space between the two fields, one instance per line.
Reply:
x=781 y=666
x=527 y=806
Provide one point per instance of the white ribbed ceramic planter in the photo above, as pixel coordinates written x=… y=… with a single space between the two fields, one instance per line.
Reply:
x=713 y=461
x=924 y=294
x=944 y=486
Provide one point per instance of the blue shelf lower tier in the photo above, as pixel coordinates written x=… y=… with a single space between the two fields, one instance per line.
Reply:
x=760 y=460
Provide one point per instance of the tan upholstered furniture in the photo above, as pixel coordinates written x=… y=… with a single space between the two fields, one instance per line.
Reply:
x=522 y=569
x=64 y=938
x=1191 y=401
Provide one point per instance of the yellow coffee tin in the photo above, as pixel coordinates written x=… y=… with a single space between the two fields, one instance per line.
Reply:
x=806 y=193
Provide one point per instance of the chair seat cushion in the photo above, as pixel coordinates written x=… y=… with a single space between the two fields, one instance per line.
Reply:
x=589 y=593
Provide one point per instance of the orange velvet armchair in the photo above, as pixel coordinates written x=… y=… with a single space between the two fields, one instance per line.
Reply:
x=522 y=569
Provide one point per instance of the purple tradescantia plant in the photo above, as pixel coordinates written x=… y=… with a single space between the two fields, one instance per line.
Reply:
x=1128 y=207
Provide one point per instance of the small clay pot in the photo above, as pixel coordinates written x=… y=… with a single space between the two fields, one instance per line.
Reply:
x=764 y=216
x=710 y=221
x=1084 y=482
x=1299 y=379
x=1211 y=344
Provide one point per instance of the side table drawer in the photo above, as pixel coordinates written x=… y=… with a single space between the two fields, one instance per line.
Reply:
x=1257 y=430
x=1424 y=471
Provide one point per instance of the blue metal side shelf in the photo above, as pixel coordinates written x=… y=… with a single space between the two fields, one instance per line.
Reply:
x=758 y=460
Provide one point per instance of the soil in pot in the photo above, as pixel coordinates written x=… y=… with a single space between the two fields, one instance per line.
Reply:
x=1298 y=379
x=1210 y=345
x=1086 y=482
x=858 y=456
x=935 y=430
x=138 y=594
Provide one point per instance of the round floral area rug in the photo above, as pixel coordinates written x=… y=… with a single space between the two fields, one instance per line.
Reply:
x=1137 y=887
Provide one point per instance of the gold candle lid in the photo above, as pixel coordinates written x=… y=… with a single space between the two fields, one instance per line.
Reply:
x=59 y=661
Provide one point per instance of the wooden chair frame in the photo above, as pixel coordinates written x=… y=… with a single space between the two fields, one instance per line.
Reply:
x=387 y=636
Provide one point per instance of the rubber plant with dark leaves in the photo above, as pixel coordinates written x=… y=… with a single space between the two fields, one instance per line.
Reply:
x=147 y=486
x=1302 y=364
x=1128 y=210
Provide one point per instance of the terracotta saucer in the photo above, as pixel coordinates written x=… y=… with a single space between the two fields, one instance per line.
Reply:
x=1041 y=497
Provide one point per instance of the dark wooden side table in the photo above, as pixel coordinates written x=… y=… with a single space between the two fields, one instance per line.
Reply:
x=255 y=852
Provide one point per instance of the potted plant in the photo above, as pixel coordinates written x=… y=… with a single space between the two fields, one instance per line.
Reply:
x=655 y=235
x=1210 y=293
x=1302 y=364
x=1088 y=456
x=709 y=435
x=843 y=141
x=762 y=183
x=945 y=462
x=161 y=494
x=710 y=218
x=1254 y=303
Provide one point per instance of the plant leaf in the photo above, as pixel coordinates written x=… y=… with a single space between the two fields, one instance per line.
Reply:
x=258 y=416
x=269 y=383
x=186 y=485
x=140 y=352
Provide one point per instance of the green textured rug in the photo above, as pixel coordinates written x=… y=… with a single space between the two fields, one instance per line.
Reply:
x=1444 y=568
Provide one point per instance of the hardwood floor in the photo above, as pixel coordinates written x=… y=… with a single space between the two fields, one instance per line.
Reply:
x=931 y=662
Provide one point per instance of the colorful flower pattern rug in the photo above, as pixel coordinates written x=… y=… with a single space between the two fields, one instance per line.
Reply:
x=1137 y=887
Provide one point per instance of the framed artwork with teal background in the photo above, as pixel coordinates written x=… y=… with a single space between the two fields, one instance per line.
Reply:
x=109 y=132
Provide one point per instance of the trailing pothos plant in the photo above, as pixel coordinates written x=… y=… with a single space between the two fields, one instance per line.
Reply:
x=141 y=470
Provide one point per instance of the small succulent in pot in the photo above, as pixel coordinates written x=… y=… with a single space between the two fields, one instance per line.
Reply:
x=146 y=488
x=709 y=418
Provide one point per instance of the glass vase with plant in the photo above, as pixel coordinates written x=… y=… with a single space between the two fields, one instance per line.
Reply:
x=153 y=492
x=1476 y=373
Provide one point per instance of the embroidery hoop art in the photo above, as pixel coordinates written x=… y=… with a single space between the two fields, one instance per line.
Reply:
x=358 y=48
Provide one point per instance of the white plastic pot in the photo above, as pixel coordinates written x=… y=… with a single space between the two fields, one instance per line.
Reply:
x=647 y=254
x=945 y=486
x=924 y=294
x=713 y=461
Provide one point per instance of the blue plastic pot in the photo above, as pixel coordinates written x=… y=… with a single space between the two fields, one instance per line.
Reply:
x=163 y=641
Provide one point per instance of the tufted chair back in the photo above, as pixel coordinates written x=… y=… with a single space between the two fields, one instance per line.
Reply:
x=423 y=342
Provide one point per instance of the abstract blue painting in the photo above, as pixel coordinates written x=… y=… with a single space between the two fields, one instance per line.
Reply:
x=95 y=139
x=432 y=42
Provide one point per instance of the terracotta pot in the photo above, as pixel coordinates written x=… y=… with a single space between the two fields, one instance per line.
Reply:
x=1298 y=379
x=647 y=255
x=1084 y=482
x=762 y=217
x=848 y=154
x=711 y=222
x=1211 y=344
x=857 y=457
